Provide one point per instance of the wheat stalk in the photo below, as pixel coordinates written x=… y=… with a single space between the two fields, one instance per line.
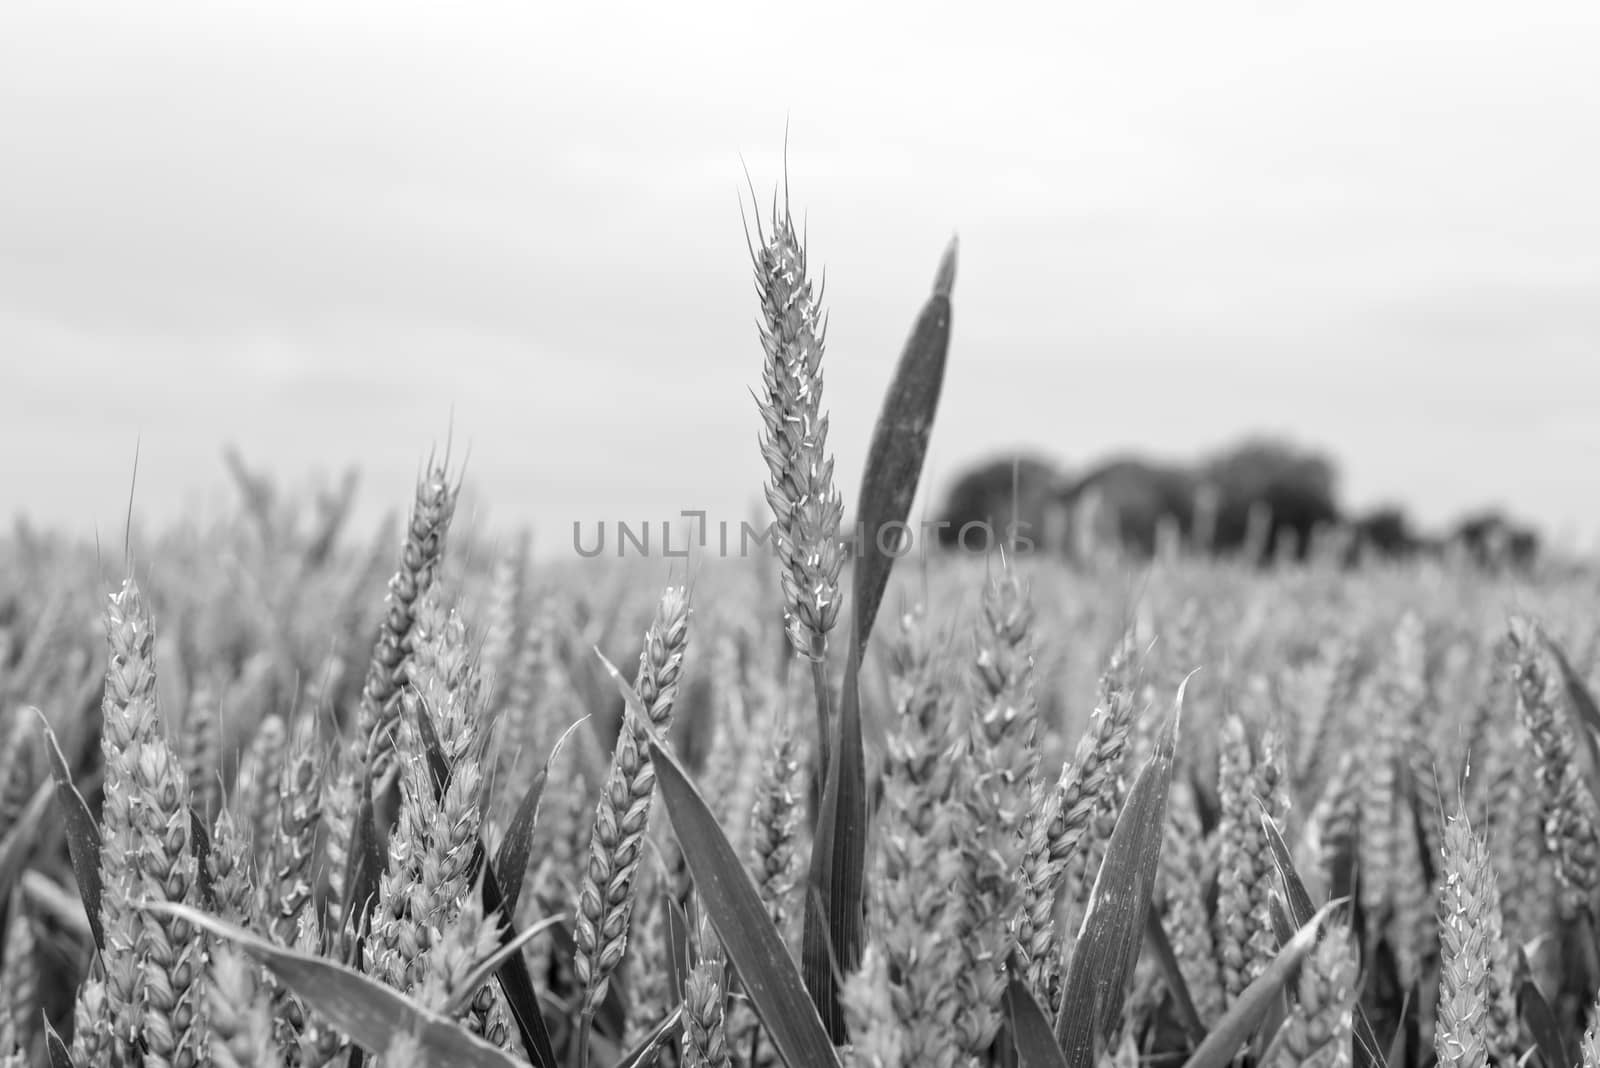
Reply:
x=420 y=559
x=1318 y=1032
x=705 y=1036
x=913 y=964
x=1089 y=796
x=93 y=1041
x=1243 y=926
x=19 y=982
x=806 y=505
x=775 y=823
x=257 y=792
x=1571 y=813
x=605 y=895
x=1180 y=899
x=1002 y=740
x=1477 y=1018
x=239 y=1013
x=154 y=983
x=200 y=746
x=291 y=848
x=18 y=769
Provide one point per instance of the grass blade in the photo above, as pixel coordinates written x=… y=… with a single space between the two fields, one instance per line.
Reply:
x=1030 y=1027
x=1296 y=896
x=645 y=1052
x=511 y=860
x=516 y=982
x=1114 y=924
x=1583 y=701
x=1583 y=706
x=1301 y=911
x=60 y=1057
x=899 y=445
x=677 y=944
x=1343 y=872
x=753 y=944
x=1396 y=1057
x=836 y=882
x=1155 y=937
x=1244 y=1016
x=83 y=834
x=439 y=769
x=200 y=843
x=944 y=283
x=365 y=866
x=1282 y=926
x=1367 y=1054
x=1539 y=1017
x=491 y=964
x=1278 y=1007
x=516 y=849
x=369 y=1012
x=500 y=895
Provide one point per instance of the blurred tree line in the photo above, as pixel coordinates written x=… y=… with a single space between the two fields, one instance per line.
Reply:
x=1262 y=499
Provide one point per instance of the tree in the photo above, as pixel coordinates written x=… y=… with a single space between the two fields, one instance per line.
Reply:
x=1297 y=489
x=1493 y=540
x=997 y=492
x=1386 y=533
x=1134 y=496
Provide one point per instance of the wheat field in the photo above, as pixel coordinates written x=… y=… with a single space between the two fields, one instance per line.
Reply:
x=273 y=792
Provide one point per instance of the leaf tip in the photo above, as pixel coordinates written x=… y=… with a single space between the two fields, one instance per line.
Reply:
x=945 y=282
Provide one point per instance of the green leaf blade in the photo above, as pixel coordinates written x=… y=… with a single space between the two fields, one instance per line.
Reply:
x=836 y=881
x=83 y=833
x=899 y=446
x=1114 y=926
x=516 y=982
x=1182 y=999
x=516 y=848
x=1030 y=1027
x=753 y=945
x=1244 y=1016
x=1296 y=896
x=1539 y=1017
x=371 y=1013
x=60 y=1057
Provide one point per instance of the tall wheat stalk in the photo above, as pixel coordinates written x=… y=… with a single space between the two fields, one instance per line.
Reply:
x=806 y=506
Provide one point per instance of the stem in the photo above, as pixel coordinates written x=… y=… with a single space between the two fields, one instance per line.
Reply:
x=585 y=1025
x=819 y=684
x=755 y=1044
x=819 y=772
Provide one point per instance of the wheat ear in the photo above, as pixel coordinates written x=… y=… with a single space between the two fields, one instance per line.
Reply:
x=605 y=894
x=420 y=558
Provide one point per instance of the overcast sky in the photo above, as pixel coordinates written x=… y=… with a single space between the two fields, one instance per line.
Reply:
x=324 y=230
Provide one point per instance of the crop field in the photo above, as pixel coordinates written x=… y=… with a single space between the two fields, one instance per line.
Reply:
x=277 y=792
